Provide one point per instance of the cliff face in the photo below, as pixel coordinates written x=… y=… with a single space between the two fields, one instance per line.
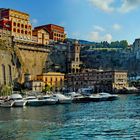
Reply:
x=8 y=71
x=32 y=61
x=20 y=59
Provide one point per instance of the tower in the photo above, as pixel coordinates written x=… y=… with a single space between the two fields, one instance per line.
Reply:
x=74 y=57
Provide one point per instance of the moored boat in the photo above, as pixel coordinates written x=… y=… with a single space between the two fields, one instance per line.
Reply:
x=7 y=104
x=61 y=99
x=48 y=100
x=103 y=97
x=18 y=100
x=33 y=101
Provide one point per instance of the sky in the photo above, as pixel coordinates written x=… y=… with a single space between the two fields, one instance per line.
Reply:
x=93 y=20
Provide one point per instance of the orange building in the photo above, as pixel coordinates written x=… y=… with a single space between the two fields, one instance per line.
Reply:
x=57 y=33
x=17 y=22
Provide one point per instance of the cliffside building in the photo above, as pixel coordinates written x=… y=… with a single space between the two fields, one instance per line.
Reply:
x=103 y=81
x=41 y=35
x=56 y=33
x=17 y=22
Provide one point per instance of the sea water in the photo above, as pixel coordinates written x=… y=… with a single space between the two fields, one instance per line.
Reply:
x=108 y=120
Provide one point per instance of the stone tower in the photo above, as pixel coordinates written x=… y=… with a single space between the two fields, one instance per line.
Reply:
x=74 y=57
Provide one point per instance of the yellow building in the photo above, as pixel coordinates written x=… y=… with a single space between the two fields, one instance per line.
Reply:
x=53 y=79
x=42 y=36
x=17 y=22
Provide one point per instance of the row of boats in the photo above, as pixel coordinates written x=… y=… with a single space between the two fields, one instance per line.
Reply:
x=16 y=100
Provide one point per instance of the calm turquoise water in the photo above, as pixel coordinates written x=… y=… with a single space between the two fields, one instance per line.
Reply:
x=111 y=120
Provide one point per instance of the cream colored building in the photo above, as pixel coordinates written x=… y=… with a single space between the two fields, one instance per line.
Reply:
x=110 y=81
x=35 y=85
x=53 y=79
x=41 y=35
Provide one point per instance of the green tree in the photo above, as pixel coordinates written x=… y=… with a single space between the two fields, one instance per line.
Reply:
x=47 y=88
x=124 y=44
x=6 y=90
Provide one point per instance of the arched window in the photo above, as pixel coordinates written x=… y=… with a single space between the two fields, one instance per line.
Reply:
x=18 y=25
x=18 y=31
x=4 y=74
x=14 y=23
x=14 y=29
x=10 y=74
x=22 y=25
x=22 y=31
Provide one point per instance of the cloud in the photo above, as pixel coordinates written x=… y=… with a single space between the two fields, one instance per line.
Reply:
x=109 y=5
x=129 y=5
x=34 y=21
x=99 y=28
x=97 y=37
x=116 y=27
x=105 y=5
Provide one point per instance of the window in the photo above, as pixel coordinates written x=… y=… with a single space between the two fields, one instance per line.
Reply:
x=22 y=25
x=14 y=30
x=22 y=31
x=18 y=31
x=77 y=59
x=18 y=24
x=14 y=23
x=10 y=74
x=4 y=73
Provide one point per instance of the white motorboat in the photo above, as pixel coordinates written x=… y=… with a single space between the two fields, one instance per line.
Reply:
x=62 y=99
x=1 y=101
x=7 y=104
x=103 y=96
x=33 y=101
x=77 y=97
x=18 y=100
x=48 y=100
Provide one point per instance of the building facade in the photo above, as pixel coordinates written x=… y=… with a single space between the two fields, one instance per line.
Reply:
x=36 y=85
x=136 y=48
x=42 y=36
x=109 y=81
x=54 y=80
x=56 y=33
x=17 y=22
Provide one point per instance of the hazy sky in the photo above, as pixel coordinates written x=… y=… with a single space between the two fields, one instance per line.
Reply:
x=93 y=20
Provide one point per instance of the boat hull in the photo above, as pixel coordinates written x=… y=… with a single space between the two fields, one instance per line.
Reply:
x=81 y=100
x=49 y=102
x=7 y=104
x=19 y=103
x=68 y=101
x=35 y=103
